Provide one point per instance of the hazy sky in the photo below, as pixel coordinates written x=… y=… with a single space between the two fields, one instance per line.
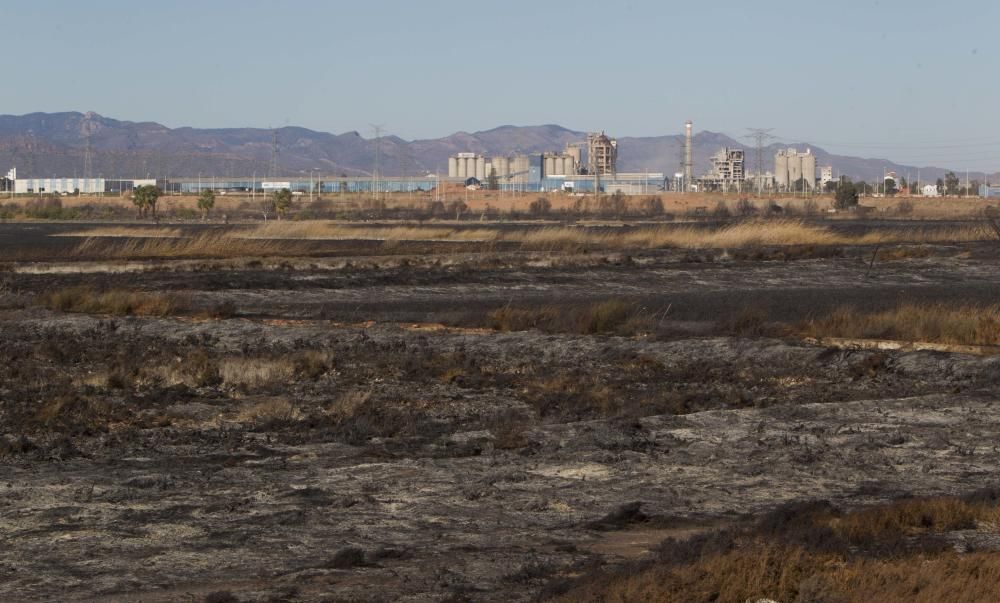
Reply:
x=914 y=81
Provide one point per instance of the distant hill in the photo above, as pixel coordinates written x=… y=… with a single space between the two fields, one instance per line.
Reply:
x=54 y=144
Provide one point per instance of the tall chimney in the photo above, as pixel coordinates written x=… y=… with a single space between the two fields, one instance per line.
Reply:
x=688 y=166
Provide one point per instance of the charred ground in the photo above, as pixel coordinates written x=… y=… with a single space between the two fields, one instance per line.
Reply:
x=416 y=421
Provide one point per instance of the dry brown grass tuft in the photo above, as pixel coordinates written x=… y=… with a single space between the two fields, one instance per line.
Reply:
x=117 y=302
x=276 y=410
x=254 y=373
x=612 y=316
x=933 y=323
x=906 y=517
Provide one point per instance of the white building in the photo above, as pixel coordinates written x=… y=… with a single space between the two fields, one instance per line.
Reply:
x=825 y=175
x=86 y=186
x=931 y=190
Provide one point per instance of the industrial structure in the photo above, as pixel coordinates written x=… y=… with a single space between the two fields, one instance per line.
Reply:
x=792 y=167
x=728 y=171
x=825 y=176
x=989 y=191
x=688 y=163
x=602 y=154
x=468 y=165
x=602 y=160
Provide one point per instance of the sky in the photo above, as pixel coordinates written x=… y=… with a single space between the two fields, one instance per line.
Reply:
x=912 y=81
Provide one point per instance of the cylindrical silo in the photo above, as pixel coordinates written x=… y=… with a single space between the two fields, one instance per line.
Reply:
x=809 y=169
x=794 y=170
x=453 y=167
x=781 y=170
x=500 y=165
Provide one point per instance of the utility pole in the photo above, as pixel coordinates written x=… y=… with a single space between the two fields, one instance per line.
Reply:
x=760 y=136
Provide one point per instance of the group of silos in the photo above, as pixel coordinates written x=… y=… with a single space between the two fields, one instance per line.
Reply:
x=790 y=166
x=558 y=164
x=515 y=169
x=468 y=165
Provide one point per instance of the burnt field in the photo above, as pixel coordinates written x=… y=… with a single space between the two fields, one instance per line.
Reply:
x=498 y=413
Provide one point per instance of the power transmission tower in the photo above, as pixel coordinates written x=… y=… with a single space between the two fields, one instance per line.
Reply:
x=273 y=170
x=376 y=174
x=760 y=136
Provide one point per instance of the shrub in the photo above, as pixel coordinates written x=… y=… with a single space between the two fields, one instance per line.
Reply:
x=651 y=206
x=745 y=207
x=540 y=207
x=721 y=210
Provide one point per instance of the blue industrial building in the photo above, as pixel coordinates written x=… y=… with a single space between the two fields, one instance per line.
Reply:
x=989 y=191
x=534 y=182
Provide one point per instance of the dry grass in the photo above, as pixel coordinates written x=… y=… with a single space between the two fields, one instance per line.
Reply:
x=130 y=232
x=293 y=238
x=253 y=373
x=323 y=230
x=117 y=302
x=932 y=323
x=205 y=245
x=756 y=233
x=793 y=575
x=912 y=516
x=276 y=410
x=814 y=553
x=612 y=316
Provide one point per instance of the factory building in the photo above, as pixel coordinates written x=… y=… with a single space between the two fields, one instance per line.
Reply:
x=989 y=191
x=825 y=175
x=791 y=166
x=602 y=154
x=84 y=186
x=728 y=170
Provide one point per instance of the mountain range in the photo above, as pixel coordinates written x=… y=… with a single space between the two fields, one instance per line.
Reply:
x=55 y=144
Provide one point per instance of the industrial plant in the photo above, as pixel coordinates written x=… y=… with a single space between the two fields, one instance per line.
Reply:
x=567 y=170
x=584 y=166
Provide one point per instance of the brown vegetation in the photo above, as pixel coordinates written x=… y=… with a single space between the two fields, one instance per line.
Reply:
x=933 y=323
x=116 y=302
x=816 y=553
x=293 y=238
x=613 y=316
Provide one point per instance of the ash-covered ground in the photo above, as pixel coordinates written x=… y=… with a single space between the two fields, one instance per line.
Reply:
x=352 y=428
